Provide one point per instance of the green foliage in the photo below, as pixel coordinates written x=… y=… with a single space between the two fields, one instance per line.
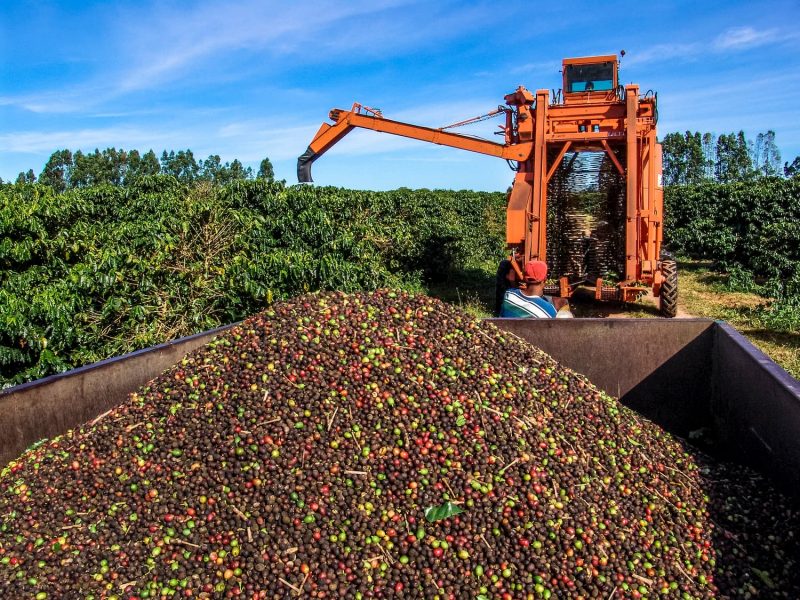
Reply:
x=142 y=166
x=65 y=170
x=443 y=511
x=114 y=251
x=733 y=160
x=683 y=158
x=766 y=156
x=753 y=224
x=58 y=170
x=781 y=315
x=265 y=170
x=751 y=230
x=181 y=165
x=742 y=280
x=214 y=171
x=792 y=170
x=27 y=177
x=103 y=270
x=692 y=158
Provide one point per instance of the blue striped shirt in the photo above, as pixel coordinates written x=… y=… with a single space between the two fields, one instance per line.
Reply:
x=518 y=305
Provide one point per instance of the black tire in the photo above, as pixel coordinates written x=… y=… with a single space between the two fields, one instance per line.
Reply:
x=669 y=289
x=501 y=285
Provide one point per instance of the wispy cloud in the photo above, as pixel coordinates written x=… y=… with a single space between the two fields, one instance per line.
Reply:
x=201 y=45
x=48 y=141
x=180 y=45
x=71 y=100
x=252 y=140
x=183 y=49
x=542 y=66
x=662 y=52
x=280 y=137
x=698 y=108
x=255 y=78
x=739 y=38
x=733 y=39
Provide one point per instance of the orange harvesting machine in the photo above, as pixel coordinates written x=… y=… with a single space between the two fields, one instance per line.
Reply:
x=587 y=196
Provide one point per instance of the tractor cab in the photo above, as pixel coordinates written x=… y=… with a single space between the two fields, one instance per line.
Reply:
x=590 y=76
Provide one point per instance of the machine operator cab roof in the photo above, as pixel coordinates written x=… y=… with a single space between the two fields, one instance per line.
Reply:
x=590 y=76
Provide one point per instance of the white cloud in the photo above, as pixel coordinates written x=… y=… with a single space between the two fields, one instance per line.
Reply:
x=197 y=46
x=739 y=38
x=731 y=40
x=65 y=101
x=252 y=140
x=687 y=105
x=181 y=43
x=48 y=141
x=281 y=137
x=662 y=52
x=542 y=66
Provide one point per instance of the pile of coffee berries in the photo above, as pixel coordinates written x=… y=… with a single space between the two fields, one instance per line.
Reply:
x=383 y=445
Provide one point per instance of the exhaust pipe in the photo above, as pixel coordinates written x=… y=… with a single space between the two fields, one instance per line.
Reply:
x=304 y=162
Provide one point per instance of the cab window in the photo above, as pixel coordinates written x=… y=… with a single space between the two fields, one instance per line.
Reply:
x=598 y=77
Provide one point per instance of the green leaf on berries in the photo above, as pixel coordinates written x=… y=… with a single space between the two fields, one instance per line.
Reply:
x=443 y=511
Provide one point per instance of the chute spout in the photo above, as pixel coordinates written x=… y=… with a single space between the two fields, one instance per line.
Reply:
x=304 y=162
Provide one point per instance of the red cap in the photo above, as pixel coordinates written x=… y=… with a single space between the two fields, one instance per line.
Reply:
x=536 y=270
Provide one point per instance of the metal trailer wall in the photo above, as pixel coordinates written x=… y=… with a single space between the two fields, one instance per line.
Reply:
x=661 y=368
x=53 y=405
x=756 y=408
x=683 y=374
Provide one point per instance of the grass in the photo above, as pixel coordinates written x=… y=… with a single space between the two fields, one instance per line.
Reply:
x=471 y=289
x=702 y=293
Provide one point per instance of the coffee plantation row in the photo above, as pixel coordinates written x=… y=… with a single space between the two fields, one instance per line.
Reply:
x=100 y=271
x=749 y=229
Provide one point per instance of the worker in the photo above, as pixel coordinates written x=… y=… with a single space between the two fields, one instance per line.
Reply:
x=504 y=281
x=529 y=300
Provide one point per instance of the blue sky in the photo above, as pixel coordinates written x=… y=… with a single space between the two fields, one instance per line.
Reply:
x=250 y=79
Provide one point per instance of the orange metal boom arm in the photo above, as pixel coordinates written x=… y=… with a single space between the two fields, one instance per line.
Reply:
x=346 y=121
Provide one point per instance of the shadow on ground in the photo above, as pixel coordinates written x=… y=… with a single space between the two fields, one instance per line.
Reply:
x=783 y=338
x=754 y=538
x=472 y=289
x=584 y=305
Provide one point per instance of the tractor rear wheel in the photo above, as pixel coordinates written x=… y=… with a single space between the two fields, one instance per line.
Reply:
x=669 y=289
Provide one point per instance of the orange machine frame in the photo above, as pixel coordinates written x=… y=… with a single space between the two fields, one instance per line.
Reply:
x=585 y=120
